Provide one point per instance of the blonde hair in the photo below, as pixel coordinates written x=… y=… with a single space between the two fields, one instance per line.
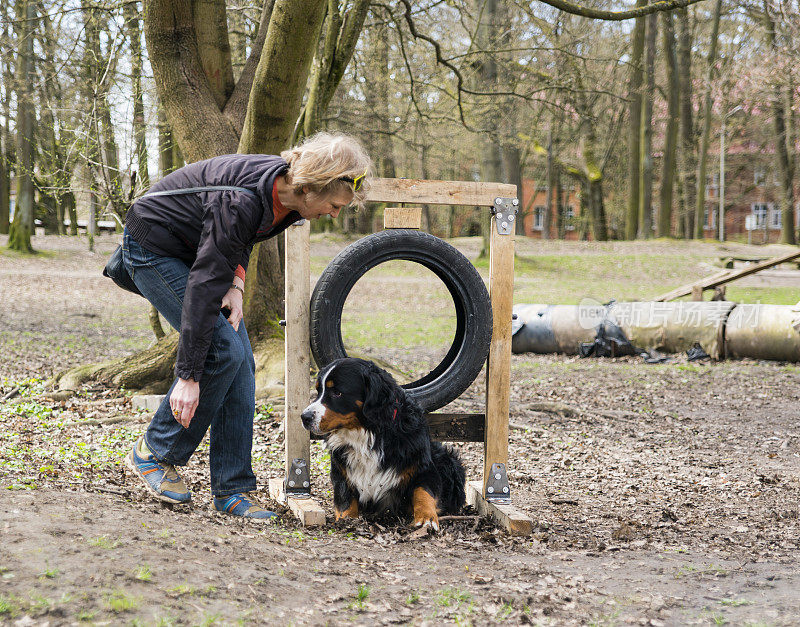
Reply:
x=321 y=161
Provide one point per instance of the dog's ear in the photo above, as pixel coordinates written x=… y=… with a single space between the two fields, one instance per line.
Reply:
x=380 y=395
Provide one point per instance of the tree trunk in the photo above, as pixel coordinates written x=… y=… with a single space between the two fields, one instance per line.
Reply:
x=671 y=134
x=634 y=134
x=784 y=159
x=646 y=146
x=688 y=139
x=550 y=175
x=19 y=237
x=196 y=119
x=512 y=173
x=5 y=182
x=700 y=200
x=277 y=93
x=5 y=134
x=561 y=222
x=131 y=13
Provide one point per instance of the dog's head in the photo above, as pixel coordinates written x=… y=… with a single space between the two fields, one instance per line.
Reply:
x=352 y=394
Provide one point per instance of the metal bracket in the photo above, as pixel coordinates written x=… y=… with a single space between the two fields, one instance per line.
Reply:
x=497 y=489
x=298 y=483
x=505 y=211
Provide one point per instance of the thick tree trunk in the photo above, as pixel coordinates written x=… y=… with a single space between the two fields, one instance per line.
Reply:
x=671 y=134
x=646 y=141
x=688 y=143
x=700 y=200
x=634 y=134
x=19 y=237
x=185 y=92
x=277 y=93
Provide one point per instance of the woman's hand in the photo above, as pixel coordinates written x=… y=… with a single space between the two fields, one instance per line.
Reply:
x=183 y=400
x=233 y=300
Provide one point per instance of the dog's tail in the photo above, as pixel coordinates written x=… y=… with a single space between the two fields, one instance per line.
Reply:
x=448 y=462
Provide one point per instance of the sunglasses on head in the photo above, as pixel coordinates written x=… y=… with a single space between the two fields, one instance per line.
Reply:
x=357 y=181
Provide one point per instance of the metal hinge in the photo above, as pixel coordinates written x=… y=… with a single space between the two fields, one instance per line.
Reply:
x=505 y=211
x=497 y=488
x=298 y=482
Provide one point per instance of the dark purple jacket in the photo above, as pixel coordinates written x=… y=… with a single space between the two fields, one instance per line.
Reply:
x=212 y=232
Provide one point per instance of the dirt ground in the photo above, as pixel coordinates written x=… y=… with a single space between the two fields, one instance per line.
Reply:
x=662 y=495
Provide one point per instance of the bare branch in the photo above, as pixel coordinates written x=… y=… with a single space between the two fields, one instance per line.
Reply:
x=577 y=9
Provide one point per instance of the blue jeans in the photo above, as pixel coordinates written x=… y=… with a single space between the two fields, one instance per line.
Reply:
x=227 y=387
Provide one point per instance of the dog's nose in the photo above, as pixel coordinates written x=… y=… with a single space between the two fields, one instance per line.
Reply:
x=307 y=417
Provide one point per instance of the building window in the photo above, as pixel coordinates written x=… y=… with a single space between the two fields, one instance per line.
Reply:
x=538 y=218
x=760 y=211
x=775 y=218
x=712 y=186
x=760 y=175
x=569 y=218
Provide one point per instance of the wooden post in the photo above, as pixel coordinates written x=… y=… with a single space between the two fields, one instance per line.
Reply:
x=697 y=292
x=297 y=369
x=498 y=370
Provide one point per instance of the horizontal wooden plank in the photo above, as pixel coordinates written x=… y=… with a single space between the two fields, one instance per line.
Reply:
x=438 y=192
x=451 y=427
x=511 y=519
x=307 y=511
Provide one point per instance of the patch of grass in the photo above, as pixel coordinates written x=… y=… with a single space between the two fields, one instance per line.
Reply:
x=183 y=589
x=449 y=597
x=9 y=606
x=143 y=573
x=104 y=542
x=49 y=573
x=735 y=602
x=86 y=616
x=505 y=612
x=118 y=601
x=210 y=619
x=361 y=596
x=40 y=603
x=764 y=295
x=412 y=598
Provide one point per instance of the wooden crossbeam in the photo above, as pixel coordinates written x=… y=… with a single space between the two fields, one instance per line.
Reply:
x=438 y=192
x=452 y=427
x=721 y=278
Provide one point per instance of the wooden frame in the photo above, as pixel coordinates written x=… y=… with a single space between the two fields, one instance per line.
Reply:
x=460 y=427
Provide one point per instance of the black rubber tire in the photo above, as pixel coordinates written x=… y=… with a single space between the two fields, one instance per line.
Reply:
x=470 y=347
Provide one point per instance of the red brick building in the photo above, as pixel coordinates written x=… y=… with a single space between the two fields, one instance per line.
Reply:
x=535 y=209
x=751 y=189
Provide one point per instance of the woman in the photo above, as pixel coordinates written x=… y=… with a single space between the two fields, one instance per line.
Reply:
x=186 y=248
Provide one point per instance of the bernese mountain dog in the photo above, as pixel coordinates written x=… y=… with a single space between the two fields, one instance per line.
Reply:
x=382 y=457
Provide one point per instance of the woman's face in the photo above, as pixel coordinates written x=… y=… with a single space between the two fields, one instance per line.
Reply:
x=315 y=206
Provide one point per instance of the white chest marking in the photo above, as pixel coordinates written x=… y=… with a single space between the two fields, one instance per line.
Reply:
x=364 y=470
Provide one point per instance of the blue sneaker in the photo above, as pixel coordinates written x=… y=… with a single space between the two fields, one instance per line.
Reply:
x=239 y=505
x=161 y=480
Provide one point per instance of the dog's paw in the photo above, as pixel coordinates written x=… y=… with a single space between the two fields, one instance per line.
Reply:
x=427 y=522
x=350 y=512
